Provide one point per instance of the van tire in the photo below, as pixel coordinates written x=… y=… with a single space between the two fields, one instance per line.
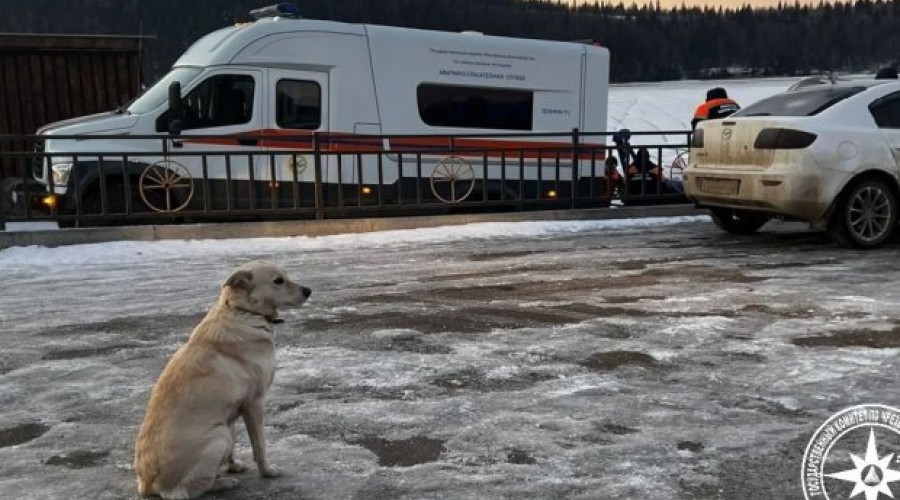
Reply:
x=866 y=215
x=91 y=201
x=738 y=221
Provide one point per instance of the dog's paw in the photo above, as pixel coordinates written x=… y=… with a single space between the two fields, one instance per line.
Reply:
x=236 y=467
x=269 y=471
x=225 y=483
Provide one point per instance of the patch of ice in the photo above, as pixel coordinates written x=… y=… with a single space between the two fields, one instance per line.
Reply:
x=571 y=386
x=394 y=333
x=543 y=303
x=502 y=373
x=855 y=298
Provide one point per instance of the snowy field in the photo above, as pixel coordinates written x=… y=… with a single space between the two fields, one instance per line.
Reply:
x=636 y=359
x=670 y=105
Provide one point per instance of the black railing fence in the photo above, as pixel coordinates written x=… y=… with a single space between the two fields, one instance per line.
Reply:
x=118 y=179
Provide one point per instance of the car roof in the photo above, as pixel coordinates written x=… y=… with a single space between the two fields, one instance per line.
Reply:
x=863 y=82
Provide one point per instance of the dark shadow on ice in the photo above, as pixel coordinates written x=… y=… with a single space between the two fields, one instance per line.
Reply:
x=22 y=434
x=404 y=452
x=604 y=361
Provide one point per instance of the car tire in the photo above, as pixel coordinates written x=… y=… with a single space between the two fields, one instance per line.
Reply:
x=738 y=221
x=10 y=188
x=866 y=215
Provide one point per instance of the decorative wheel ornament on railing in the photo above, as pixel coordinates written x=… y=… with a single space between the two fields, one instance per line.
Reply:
x=166 y=186
x=679 y=164
x=297 y=163
x=452 y=179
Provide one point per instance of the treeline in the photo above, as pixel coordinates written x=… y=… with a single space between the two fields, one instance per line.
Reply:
x=646 y=42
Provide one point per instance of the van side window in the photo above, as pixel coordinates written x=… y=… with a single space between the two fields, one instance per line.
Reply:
x=887 y=111
x=473 y=107
x=219 y=101
x=298 y=104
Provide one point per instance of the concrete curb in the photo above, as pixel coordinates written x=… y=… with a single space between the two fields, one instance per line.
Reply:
x=78 y=236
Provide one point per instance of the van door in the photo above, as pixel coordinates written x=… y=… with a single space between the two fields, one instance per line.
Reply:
x=225 y=101
x=297 y=107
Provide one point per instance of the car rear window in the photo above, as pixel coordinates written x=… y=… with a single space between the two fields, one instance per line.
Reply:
x=800 y=102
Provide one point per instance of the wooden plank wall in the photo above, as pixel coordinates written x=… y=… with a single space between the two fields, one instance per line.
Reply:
x=47 y=78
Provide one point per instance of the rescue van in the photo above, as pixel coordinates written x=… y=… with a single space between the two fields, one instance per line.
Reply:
x=248 y=102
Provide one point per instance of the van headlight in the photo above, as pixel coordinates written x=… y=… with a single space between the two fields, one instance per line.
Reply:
x=61 y=172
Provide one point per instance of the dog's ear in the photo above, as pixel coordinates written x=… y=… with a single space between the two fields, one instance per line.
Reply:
x=239 y=280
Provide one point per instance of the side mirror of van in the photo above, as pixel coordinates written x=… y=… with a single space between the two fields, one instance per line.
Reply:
x=176 y=109
x=175 y=126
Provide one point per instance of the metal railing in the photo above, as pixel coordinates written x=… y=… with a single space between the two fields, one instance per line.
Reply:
x=99 y=180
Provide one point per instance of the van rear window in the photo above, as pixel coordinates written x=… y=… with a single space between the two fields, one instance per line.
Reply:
x=799 y=102
x=474 y=107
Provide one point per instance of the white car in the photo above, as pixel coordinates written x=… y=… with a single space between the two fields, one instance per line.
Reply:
x=828 y=154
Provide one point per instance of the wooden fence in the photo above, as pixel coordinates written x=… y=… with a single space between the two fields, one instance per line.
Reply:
x=47 y=78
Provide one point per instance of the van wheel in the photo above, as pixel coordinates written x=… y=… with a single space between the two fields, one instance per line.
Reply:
x=738 y=221
x=866 y=216
x=92 y=202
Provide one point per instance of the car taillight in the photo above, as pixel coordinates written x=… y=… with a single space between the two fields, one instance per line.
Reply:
x=783 y=138
x=697 y=138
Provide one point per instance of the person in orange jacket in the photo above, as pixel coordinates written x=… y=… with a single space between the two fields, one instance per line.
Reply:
x=717 y=105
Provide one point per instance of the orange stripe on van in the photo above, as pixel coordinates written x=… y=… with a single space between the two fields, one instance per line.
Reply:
x=359 y=144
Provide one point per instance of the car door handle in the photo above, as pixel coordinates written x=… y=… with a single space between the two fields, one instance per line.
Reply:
x=247 y=141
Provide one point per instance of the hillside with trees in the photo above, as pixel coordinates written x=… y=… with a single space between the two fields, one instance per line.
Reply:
x=647 y=43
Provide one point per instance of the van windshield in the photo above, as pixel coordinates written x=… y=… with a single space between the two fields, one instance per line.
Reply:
x=158 y=93
x=799 y=102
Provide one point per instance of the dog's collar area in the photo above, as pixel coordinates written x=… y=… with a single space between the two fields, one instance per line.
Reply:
x=270 y=318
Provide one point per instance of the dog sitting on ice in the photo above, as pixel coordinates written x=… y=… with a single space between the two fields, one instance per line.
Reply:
x=220 y=374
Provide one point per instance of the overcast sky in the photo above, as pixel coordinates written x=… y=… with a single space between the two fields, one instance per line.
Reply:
x=677 y=3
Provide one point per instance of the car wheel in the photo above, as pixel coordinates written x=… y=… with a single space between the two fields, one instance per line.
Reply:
x=12 y=195
x=738 y=221
x=866 y=215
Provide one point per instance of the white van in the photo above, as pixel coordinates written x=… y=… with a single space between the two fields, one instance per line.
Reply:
x=274 y=83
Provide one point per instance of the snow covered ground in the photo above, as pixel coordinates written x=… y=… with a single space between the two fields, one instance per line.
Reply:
x=651 y=359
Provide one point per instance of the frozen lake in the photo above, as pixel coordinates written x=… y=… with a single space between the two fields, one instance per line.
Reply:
x=671 y=105
x=651 y=359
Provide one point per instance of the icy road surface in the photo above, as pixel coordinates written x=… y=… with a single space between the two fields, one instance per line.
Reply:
x=644 y=359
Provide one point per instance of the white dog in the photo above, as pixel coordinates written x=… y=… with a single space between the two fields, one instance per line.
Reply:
x=221 y=373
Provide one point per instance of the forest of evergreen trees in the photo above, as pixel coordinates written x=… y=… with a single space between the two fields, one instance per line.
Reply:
x=647 y=43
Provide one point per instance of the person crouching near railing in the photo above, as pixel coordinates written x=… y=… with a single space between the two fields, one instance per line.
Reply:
x=643 y=172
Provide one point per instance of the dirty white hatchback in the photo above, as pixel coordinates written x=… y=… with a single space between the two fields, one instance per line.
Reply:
x=828 y=154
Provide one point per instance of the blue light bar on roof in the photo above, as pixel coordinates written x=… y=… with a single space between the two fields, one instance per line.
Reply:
x=284 y=9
